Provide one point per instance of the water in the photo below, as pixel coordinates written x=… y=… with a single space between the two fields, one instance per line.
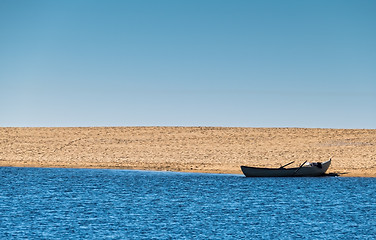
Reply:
x=119 y=204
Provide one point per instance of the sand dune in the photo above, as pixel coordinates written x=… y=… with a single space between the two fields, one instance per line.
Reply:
x=192 y=149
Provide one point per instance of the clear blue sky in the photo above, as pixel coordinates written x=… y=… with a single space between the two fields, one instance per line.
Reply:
x=188 y=63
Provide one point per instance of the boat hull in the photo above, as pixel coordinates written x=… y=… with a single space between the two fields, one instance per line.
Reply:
x=305 y=171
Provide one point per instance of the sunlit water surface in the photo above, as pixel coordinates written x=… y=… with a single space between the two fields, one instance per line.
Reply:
x=119 y=204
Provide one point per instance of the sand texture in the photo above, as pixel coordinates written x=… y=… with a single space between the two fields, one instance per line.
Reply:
x=189 y=149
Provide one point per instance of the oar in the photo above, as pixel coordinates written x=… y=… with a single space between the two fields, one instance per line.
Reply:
x=287 y=164
x=299 y=168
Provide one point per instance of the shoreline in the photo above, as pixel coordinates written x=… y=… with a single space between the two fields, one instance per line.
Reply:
x=328 y=174
x=188 y=149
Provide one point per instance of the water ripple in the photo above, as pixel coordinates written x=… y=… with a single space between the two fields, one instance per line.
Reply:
x=117 y=204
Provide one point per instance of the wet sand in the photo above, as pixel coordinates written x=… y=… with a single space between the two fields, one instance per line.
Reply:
x=189 y=149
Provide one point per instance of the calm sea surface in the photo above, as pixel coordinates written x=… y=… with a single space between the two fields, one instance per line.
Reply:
x=119 y=204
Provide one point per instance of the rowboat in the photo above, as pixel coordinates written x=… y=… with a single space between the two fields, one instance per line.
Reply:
x=304 y=170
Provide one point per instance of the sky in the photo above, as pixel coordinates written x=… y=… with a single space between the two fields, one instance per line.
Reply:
x=243 y=63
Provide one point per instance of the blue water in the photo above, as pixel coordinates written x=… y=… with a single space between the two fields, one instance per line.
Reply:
x=118 y=204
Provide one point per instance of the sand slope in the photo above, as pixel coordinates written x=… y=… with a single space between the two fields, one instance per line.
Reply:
x=194 y=149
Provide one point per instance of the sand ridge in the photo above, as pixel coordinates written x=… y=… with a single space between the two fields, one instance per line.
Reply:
x=189 y=149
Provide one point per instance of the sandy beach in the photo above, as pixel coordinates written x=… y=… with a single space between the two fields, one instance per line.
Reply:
x=189 y=149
